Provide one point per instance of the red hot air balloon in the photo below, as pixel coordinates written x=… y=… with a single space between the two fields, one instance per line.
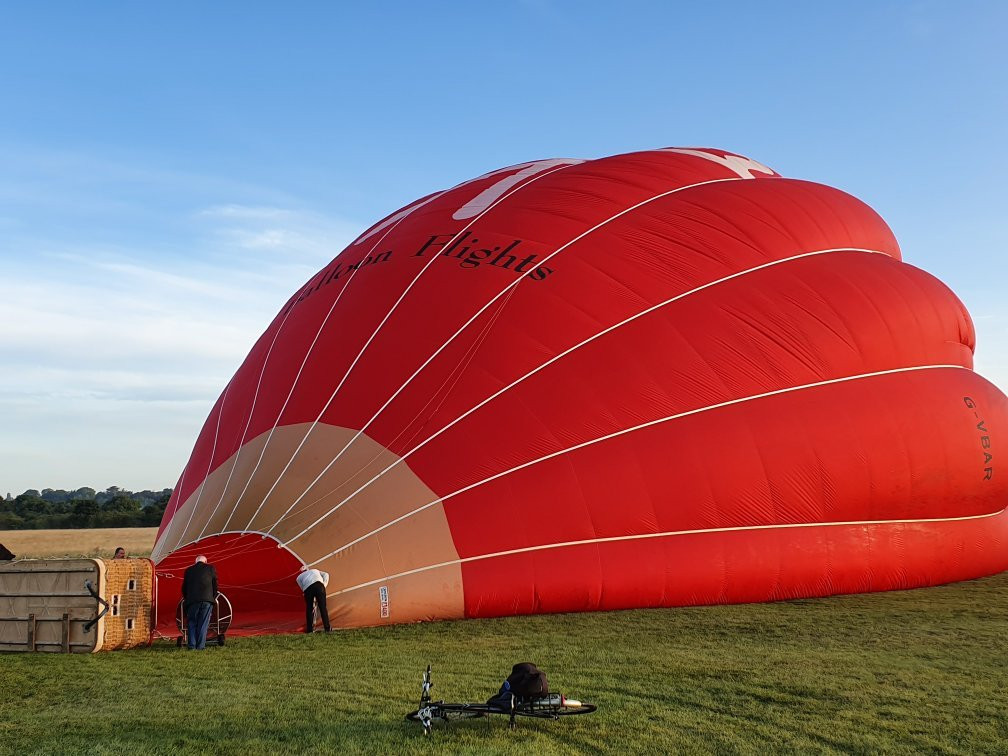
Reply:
x=663 y=378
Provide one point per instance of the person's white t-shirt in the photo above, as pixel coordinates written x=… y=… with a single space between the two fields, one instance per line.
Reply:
x=310 y=577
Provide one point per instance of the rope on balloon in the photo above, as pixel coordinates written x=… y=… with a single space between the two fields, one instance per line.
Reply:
x=444 y=390
x=483 y=212
x=582 y=343
x=290 y=393
x=504 y=291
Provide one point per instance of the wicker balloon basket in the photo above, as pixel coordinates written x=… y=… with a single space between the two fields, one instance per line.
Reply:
x=77 y=605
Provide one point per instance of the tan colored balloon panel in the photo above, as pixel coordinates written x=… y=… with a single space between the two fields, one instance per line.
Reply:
x=418 y=541
x=215 y=501
x=395 y=491
x=431 y=594
x=230 y=501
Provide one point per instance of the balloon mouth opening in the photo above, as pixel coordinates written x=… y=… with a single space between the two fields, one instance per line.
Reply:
x=253 y=572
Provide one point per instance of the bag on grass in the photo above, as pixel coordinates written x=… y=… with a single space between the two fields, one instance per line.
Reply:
x=526 y=682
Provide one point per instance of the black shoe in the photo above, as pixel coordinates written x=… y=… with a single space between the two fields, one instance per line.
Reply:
x=309 y=632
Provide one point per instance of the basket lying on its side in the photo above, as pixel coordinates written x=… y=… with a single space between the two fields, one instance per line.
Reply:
x=76 y=605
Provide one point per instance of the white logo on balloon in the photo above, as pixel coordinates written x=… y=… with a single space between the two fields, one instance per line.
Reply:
x=742 y=166
x=491 y=194
x=481 y=201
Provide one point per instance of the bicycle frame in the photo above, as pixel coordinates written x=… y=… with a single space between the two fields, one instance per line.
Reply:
x=549 y=707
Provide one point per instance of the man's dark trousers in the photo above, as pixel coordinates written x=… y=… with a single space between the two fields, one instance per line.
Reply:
x=315 y=593
x=197 y=622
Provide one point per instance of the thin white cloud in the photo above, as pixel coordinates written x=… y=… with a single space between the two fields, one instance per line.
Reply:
x=297 y=234
x=113 y=354
x=259 y=213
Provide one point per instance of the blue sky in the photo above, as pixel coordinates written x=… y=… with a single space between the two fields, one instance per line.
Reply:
x=170 y=173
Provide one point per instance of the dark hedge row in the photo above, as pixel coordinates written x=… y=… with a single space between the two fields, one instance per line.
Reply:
x=83 y=508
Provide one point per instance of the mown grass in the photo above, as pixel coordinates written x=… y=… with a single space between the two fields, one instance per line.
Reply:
x=910 y=672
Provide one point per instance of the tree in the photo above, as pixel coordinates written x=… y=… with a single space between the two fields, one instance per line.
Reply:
x=121 y=503
x=82 y=508
x=29 y=506
x=85 y=508
x=10 y=521
x=152 y=515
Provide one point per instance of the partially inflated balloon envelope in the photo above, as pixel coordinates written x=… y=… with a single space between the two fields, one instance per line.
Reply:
x=663 y=378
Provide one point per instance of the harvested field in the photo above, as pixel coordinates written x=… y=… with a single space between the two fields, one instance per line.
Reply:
x=97 y=542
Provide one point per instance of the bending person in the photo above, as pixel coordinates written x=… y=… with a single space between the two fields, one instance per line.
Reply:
x=313 y=582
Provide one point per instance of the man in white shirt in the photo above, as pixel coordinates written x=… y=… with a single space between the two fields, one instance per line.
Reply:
x=313 y=583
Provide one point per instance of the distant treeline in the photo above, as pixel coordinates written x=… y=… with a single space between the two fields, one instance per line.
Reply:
x=84 y=508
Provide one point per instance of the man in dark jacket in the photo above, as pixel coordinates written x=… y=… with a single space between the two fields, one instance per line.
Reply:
x=199 y=591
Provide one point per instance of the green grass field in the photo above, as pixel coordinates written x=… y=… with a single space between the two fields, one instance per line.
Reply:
x=912 y=672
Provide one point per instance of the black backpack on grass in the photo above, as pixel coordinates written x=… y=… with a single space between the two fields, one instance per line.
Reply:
x=526 y=682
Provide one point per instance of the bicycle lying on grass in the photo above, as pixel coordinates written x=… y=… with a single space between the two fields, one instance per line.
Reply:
x=551 y=706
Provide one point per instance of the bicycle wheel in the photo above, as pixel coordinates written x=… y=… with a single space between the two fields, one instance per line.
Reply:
x=450 y=712
x=582 y=709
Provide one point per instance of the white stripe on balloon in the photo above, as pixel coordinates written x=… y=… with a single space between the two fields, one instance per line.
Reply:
x=667 y=534
x=364 y=348
x=474 y=317
x=574 y=348
x=623 y=432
